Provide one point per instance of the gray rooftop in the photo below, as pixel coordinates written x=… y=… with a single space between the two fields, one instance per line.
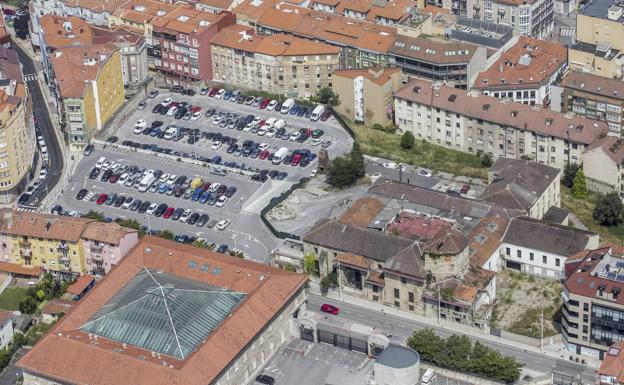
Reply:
x=481 y=32
x=398 y=357
x=599 y=8
x=163 y=313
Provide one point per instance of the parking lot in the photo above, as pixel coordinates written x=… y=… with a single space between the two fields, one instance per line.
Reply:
x=245 y=231
x=332 y=137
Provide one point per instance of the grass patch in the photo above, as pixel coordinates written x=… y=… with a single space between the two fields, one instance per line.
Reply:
x=528 y=324
x=584 y=210
x=11 y=297
x=388 y=145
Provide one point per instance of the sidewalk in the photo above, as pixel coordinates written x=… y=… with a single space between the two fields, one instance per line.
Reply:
x=555 y=350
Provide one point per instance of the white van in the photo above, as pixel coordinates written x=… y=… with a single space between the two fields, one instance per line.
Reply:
x=270 y=122
x=146 y=182
x=428 y=377
x=279 y=155
x=316 y=114
x=288 y=104
x=279 y=124
x=100 y=162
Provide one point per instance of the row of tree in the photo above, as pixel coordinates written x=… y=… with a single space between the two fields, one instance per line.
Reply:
x=344 y=171
x=459 y=353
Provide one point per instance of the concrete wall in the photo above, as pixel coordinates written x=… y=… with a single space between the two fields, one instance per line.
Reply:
x=474 y=380
x=602 y=170
x=6 y=333
x=595 y=30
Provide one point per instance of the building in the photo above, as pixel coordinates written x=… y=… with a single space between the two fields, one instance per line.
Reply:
x=57 y=32
x=362 y=43
x=541 y=248
x=597 y=59
x=62 y=246
x=80 y=288
x=278 y=64
x=523 y=185
x=212 y=319
x=438 y=59
x=601 y=22
x=593 y=310
x=6 y=329
x=385 y=13
x=479 y=124
x=178 y=37
x=88 y=83
x=533 y=18
x=366 y=95
x=17 y=136
x=525 y=72
x=595 y=97
x=603 y=165
x=611 y=371
x=397 y=365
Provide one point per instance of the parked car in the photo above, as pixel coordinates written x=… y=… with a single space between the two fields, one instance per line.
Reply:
x=265 y=379
x=81 y=194
x=331 y=309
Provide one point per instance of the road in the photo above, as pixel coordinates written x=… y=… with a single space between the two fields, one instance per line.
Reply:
x=55 y=168
x=400 y=328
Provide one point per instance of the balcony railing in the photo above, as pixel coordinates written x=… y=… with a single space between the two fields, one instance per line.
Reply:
x=97 y=248
x=97 y=257
x=98 y=271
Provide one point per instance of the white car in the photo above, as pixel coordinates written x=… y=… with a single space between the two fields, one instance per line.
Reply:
x=221 y=201
x=123 y=178
x=263 y=146
x=391 y=165
x=43 y=173
x=217 y=119
x=294 y=136
x=196 y=116
x=223 y=223
x=256 y=121
x=263 y=130
x=185 y=216
x=163 y=178
x=152 y=208
x=425 y=172
x=167 y=102
x=317 y=142
x=172 y=111
x=216 y=145
x=126 y=205
x=313 y=173
x=172 y=179
x=270 y=133
x=272 y=105
x=220 y=93
x=100 y=162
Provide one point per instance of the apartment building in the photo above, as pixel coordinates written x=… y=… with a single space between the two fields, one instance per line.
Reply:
x=385 y=13
x=17 y=136
x=593 y=309
x=56 y=32
x=525 y=72
x=597 y=59
x=438 y=59
x=603 y=164
x=611 y=370
x=366 y=95
x=178 y=37
x=362 y=43
x=279 y=64
x=62 y=246
x=89 y=87
x=477 y=124
x=595 y=97
x=601 y=21
x=533 y=18
x=220 y=321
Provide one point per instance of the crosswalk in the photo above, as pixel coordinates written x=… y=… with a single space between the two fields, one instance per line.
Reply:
x=30 y=77
x=568 y=31
x=26 y=209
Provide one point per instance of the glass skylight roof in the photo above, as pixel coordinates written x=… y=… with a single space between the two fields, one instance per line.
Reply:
x=163 y=313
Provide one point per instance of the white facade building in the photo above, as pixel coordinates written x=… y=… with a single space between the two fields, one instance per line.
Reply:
x=6 y=329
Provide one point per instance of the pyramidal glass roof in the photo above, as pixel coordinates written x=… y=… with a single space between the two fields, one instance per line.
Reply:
x=163 y=313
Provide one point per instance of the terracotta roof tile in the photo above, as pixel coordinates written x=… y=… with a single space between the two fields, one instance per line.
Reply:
x=20 y=270
x=362 y=211
x=486 y=238
x=56 y=306
x=353 y=260
x=110 y=233
x=81 y=284
x=75 y=66
x=601 y=86
x=378 y=75
x=613 y=363
x=41 y=225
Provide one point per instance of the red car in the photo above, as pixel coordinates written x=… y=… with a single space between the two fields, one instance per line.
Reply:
x=327 y=308
x=264 y=103
x=325 y=115
x=296 y=159
x=213 y=91
x=101 y=199
x=264 y=154
x=465 y=188
x=168 y=213
x=195 y=109
x=114 y=178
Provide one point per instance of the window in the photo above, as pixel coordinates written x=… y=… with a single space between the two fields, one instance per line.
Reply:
x=396 y=294
x=531 y=256
x=507 y=251
x=519 y=253
x=544 y=259
x=403 y=280
x=557 y=262
x=586 y=306
x=410 y=296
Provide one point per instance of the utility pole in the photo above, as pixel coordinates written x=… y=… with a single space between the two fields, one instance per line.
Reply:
x=439 y=307
x=542 y=330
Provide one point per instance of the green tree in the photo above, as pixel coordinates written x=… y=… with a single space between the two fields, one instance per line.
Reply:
x=309 y=265
x=41 y=295
x=579 y=187
x=28 y=305
x=427 y=344
x=329 y=281
x=202 y=243
x=609 y=210
x=357 y=160
x=569 y=173
x=95 y=215
x=486 y=160
x=456 y=352
x=166 y=234
x=408 y=140
x=341 y=173
x=326 y=96
x=20 y=24
x=5 y=358
x=526 y=157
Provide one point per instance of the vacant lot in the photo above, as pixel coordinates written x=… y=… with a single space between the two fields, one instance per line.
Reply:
x=387 y=145
x=584 y=209
x=11 y=297
x=520 y=301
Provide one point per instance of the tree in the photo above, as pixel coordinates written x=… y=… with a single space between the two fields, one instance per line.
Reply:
x=569 y=173
x=28 y=305
x=166 y=234
x=341 y=173
x=526 y=157
x=203 y=244
x=20 y=24
x=456 y=352
x=427 y=344
x=357 y=159
x=309 y=264
x=329 y=281
x=95 y=215
x=41 y=295
x=326 y=96
x=408 y=140
x=486 y=160
x=609 y=210
x=579 y=187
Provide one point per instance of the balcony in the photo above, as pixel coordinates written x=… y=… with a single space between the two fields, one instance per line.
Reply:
x=25 y=252
x=97 y=257
x=65 y=268
x=98 y=271
x=25 y=244
x=97 y=249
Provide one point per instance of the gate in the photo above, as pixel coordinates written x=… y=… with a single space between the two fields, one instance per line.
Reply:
x=359 y=345
x=327 y=337
x=306 y=334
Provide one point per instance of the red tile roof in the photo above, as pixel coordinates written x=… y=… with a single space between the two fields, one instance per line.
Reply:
x=613 y=364
x=362 y=211
x=86 y=361
x=20 y=270
x=613 y=147
x=80 y=285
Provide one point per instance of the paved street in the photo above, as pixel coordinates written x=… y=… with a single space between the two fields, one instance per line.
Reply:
x=55 y=168
x=400 y=328
x=246 y=232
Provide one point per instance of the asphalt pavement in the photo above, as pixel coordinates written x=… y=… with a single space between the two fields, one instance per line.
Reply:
x=55 y=164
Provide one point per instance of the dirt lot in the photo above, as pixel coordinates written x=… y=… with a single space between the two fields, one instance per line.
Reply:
x=520 y=300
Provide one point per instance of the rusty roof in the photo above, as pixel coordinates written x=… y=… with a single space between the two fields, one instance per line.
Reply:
x=362 y=211
x=87 y=360
x=486 y=238
x=508 y=114
x=353 y=260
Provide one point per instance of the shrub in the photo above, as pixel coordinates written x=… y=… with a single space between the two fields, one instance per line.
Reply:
x=609 y=210
x=408 y=140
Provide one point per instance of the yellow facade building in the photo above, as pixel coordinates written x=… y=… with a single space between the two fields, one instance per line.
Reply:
x=90 y=87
